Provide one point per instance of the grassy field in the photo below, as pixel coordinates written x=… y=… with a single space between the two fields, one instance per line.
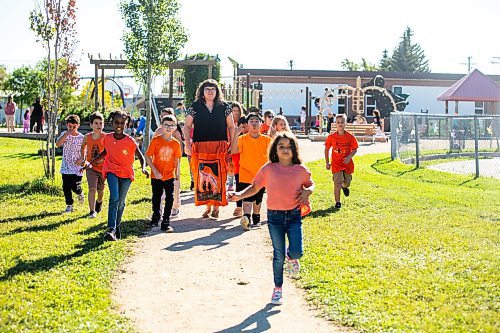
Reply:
x=55 y=270
x=411 y=250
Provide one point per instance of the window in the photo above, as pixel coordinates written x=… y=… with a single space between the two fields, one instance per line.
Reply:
x=479 y=107
x=371 y=105
x=398 y=90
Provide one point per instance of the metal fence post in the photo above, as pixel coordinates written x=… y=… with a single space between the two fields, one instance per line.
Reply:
x=394 y=119
x=476 y=144
x=417 y=143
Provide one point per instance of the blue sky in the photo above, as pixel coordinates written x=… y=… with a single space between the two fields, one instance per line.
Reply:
x=267 y=34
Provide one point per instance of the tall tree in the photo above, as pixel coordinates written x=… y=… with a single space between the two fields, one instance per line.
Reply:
x=408 y=56
x=385 y=62
x=53 y=22
x=3 y=76
x=349 y=65
x=26 y=83
x=364 y=65
x=152 y=39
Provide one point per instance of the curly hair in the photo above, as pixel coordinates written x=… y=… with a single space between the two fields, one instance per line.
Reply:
x=200 y=91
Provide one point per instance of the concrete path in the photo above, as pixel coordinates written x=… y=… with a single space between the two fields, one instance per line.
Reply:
x=211 y=276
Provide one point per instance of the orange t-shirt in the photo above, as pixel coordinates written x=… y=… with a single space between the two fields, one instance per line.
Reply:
x=120 y=156
x=94 y=148
x=282 y=184
x=264 y=129
x=253 y=155
x=341 y=145
x=164 y=153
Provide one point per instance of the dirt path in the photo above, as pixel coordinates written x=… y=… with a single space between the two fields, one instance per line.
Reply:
x=211 y=276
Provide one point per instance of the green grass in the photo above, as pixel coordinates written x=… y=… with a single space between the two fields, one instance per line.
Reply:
x=411 y=250
x=55 y=271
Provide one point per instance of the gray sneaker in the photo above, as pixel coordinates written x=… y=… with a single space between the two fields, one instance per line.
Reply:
x=69 y=209
x=174 y=213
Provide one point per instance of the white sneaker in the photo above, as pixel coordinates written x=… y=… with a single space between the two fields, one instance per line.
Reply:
x=174 y=213
x=92 y=215
x=81 y=198
x=69 y=209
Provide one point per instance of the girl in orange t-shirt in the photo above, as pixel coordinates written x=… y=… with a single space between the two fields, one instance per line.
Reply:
x=289 y=185
x=118 y=169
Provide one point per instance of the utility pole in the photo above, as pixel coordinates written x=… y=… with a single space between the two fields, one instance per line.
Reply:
x=291 y=64
x=469 y=63
x=495 y=61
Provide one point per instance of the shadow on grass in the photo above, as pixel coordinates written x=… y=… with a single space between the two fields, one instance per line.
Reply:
x=23 y=156
x=47 y=263
x=141 y=200
x=216 y=239
x=28 y=218
x=323 y=212
x=46 y=227
x=379 y=167
x=258 y=318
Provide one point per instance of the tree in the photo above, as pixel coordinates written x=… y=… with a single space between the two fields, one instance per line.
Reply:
x=364 y=65
x=195 y=74
x=152 y=39
x=408 y=56
x=385 y=62
x=26 y=83
x=53 y=22
x=3 y=76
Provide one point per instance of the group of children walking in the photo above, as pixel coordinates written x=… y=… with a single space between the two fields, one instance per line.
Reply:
x=268 y=161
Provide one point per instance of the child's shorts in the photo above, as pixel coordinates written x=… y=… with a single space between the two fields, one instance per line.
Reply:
x=342 y=177
x=95 y=180
x=257 y=197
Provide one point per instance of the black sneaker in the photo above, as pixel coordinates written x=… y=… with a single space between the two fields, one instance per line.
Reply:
x=191 y=187
x=338 y=205
x=118 y=233
x=165 y=227
x=346 y=191
x=255 y=220
x=153 y=223
x=110 y=235
x=98 y=206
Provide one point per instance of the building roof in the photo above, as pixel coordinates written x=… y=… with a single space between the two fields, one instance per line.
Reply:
x=354 y=74
x=475 y=87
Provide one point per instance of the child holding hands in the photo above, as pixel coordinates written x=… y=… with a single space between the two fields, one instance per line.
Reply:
x=289 y=185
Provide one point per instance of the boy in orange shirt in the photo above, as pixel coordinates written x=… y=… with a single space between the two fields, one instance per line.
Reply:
x=253 y=155
x=163 y=157
x=344 y=145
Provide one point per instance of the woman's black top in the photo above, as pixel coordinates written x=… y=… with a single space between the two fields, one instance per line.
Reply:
x=209 y=126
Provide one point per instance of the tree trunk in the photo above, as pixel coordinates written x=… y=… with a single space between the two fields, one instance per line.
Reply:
x=148 y=110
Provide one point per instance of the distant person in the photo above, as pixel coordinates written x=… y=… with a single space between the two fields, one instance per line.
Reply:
x=36 y=120
x=237 y=111
x=235 y=159
x=10 y=111
x=289 y=185
x=268 y=119
x=379 y=125
x=26 y=121
x=330 y=121
x=303 y=117
x=71 y=141
x=91 y=147
x=163 y=156
x=278 y=125
x=359 y=120
x=343 y=146
x=180 y=110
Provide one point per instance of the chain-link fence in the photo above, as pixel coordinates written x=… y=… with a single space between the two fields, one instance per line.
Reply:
x=472 y=142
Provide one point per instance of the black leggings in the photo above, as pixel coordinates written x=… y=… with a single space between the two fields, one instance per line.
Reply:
x=71 y=183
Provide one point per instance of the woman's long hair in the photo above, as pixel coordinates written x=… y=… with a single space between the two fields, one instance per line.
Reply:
x=208 y=83
x=273 y=151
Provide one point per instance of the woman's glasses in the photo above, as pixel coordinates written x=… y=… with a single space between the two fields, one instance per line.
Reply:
x=210 y=89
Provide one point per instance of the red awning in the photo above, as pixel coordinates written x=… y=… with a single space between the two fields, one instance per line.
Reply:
x=475 y=87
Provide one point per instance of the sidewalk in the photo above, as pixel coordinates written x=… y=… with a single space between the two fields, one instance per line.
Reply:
x=211 y=276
